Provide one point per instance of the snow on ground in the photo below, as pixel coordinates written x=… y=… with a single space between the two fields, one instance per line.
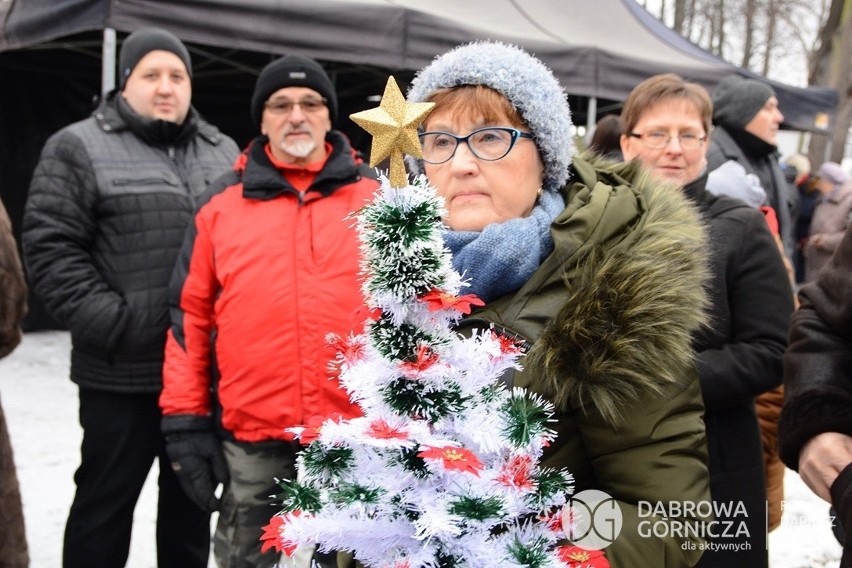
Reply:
x=40 y=403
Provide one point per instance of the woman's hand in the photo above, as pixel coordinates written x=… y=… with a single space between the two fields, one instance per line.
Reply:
x=822 y=459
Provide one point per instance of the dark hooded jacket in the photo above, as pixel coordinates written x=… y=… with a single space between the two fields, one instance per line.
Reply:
x=818 y=374
x=13 y=306
x=608 y=317
x=109 y=202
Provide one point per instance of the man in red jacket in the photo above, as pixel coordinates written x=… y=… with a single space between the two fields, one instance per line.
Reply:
x=268 y=269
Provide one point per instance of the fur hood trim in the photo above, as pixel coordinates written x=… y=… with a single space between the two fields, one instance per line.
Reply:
x=635 y=293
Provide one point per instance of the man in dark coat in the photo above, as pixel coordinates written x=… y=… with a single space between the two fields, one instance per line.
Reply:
x=747 y=118
x=13 y=298
x=109 y=203
x=815 y=430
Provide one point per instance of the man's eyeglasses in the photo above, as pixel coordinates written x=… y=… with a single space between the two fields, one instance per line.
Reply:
x=488 y=144
x=284 y=106
x=657 y=140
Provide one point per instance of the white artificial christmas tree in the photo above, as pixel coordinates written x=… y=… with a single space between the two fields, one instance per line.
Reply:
x=442 y=469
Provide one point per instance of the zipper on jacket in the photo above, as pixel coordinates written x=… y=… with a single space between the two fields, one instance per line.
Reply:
x=171 y=153
x=120 y=182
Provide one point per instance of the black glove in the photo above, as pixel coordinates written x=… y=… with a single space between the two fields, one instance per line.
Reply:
x=197 y=459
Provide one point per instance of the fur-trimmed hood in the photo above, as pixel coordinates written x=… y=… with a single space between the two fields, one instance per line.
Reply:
x=614 y=307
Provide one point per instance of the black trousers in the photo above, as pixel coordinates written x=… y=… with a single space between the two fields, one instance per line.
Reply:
x=121 y=439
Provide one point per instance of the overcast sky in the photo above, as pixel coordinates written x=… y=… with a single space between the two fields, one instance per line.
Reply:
x=789 y=64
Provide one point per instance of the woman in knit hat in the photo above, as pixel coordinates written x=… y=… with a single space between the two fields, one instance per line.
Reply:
x=596 y=269
x=666 y=121
x=830 y=219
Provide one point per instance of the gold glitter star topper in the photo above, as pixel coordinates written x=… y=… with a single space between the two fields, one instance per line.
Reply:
x=393 y=125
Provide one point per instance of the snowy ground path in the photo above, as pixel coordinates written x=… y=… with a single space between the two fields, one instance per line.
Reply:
x=40 y=403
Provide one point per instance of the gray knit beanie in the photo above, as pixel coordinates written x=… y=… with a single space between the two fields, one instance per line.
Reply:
x=528 y=85
x=736 y=100
x=141 y=42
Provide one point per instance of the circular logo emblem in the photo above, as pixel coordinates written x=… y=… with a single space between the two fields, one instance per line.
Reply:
x=591 y=519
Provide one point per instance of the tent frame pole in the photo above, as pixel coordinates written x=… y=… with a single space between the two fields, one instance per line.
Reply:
x=591 y=118
x=108 y=61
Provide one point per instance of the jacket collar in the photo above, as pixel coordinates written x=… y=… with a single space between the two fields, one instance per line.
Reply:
x=111 y=119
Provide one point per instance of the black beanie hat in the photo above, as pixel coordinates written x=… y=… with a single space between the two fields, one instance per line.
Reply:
x=141 y=42
x=292 y=71
x=736 y=100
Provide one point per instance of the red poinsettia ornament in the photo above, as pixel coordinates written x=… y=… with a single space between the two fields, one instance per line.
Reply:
x=439 y=300
x=576 y=557
x=382 y=430
x=272 y=535
x=454 y=457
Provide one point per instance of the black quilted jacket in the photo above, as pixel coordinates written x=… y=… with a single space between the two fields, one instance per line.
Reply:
x=102 y=228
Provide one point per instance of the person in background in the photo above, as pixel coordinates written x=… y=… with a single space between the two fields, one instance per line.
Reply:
x=573 y=260
x=108 y=206
x=815 y=429
x=606 y=138
x=747 y=120
x=732 y=179
x=830 y=218
x=268 y=269
x=13 y=307
x=798 y=167
x=666 y=122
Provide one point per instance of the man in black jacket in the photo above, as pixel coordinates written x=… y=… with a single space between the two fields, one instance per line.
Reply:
x=747 y=118
x=108 y=206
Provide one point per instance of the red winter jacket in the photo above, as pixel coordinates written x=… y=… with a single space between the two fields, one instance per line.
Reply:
x=267 y=272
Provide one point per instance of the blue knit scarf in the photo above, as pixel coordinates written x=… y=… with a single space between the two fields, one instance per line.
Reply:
x=501 y=258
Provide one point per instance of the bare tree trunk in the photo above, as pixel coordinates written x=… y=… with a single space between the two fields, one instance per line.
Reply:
x=720 y=34
x=679 y=17
x=690 y=19
x=830 y=68
x=771 y=23
x=749 y=14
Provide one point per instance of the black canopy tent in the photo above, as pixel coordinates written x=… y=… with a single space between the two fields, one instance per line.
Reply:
x=598 y=48
x=57 y=55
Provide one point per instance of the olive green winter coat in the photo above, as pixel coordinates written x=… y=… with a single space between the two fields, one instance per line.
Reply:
x=608 y=319
x=609 y=315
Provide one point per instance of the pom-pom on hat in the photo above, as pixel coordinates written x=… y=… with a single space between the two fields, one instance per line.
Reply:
x=141 y=42
x=527 y=84
x=292 y=71
x=736 y=100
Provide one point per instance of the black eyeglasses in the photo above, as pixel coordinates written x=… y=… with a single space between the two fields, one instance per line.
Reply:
x=286 y=106
x=657 y=139
x=488 y=144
